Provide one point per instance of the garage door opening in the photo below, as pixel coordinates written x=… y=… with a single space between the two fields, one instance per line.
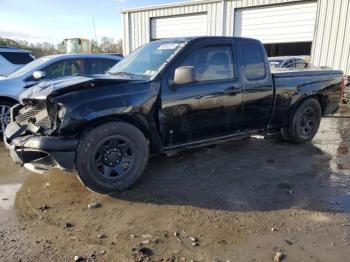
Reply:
x=289 y=49
x=285 y=30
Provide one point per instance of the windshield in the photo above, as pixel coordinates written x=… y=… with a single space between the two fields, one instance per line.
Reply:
x=29 y=67
x=149 y=60
x=275 y=63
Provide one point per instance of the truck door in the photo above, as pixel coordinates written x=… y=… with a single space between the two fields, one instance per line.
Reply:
x=258 y=85
x=209 y=107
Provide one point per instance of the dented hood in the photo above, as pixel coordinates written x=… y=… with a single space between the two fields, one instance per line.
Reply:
x=44 y=89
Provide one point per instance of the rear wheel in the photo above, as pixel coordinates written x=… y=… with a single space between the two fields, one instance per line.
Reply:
x=305 y=123
x=5 y=117
x=111 y=157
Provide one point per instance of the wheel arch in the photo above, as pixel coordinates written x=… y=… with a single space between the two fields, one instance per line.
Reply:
x=8 y=99
x=322 y=100
x=148 y=129
x=290 y=133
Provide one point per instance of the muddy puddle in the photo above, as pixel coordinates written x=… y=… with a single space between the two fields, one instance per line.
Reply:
x=11 y=179
x=241 y=201
x=334 y=139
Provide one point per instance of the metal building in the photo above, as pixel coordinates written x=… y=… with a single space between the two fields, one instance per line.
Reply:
x=286 y=27
x=331 y=45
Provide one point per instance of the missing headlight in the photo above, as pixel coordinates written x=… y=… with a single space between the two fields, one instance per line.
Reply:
x=61 y=112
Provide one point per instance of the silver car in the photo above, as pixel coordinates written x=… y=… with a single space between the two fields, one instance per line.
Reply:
x=49 y=67
x=288 y=62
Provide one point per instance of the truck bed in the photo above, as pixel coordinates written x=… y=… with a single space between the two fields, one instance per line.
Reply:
x=291 y=85
x=280 y=73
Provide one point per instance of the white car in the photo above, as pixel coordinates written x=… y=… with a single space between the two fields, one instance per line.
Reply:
x=12 y=59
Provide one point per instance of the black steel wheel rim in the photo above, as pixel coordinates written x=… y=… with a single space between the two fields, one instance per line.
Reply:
x=308 y=122
x=113 y=158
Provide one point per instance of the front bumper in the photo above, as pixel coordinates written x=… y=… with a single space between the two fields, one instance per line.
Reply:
x=39 y=153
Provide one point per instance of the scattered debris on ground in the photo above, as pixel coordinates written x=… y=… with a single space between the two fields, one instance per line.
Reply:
x=78 y=258
x=101 y=236
x=68 y=225
x=278 y=257
x=44 y=208
x=95 y=204
x=245 y=208
x=141 y=253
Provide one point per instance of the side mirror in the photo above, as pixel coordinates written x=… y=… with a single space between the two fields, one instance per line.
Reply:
x=38 y=75
x=184 y=75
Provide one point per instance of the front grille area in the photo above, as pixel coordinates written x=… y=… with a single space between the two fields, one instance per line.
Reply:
x=35 y=113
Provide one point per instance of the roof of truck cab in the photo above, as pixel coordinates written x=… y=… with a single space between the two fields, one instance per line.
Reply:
x=186 y=39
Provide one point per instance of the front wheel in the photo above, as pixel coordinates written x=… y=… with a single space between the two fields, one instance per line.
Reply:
x=305 y=123
x=111 y=157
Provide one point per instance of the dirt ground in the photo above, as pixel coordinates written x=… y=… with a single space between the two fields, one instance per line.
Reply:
x=241 y=201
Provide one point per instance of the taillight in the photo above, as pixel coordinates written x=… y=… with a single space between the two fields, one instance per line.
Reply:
x=342 y=88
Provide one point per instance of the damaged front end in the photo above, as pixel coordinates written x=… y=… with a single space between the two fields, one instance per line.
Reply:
x=32 y=136
x=46 y=125
x=32 y=141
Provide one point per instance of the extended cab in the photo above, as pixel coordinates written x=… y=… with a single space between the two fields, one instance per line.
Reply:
x=166 y=96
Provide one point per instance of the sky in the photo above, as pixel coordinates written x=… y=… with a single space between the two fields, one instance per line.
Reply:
x=54 y=20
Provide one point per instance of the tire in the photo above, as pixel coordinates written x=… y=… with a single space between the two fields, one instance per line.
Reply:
x=285 y=136
x=305 y=122
x=111 y=157
x=5 y=110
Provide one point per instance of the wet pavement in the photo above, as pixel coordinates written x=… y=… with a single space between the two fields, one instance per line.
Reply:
x=11 y=179
x=242 y=201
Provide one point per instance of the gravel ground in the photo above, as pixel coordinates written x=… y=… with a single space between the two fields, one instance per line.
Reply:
x=241 y=201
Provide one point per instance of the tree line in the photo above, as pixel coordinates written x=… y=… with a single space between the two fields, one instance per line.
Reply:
x=107 y=45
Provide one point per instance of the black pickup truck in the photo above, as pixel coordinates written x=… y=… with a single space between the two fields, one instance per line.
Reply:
x=166 y=96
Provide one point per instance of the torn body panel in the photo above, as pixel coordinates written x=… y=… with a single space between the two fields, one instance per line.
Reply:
x=47 y=125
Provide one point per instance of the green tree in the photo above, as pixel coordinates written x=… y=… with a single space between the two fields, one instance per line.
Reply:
x=109 y=45
x=38 y=49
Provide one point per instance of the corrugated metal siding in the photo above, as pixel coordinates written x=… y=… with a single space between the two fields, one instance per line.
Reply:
x=331 y=45
x=138 y=22
x=220 y=18
x=260 y=23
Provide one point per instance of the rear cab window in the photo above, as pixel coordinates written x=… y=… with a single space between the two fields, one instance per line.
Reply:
x=254 y=67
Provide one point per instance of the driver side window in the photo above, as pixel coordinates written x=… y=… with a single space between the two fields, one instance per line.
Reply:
x=73 y=67
x=212 y=63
